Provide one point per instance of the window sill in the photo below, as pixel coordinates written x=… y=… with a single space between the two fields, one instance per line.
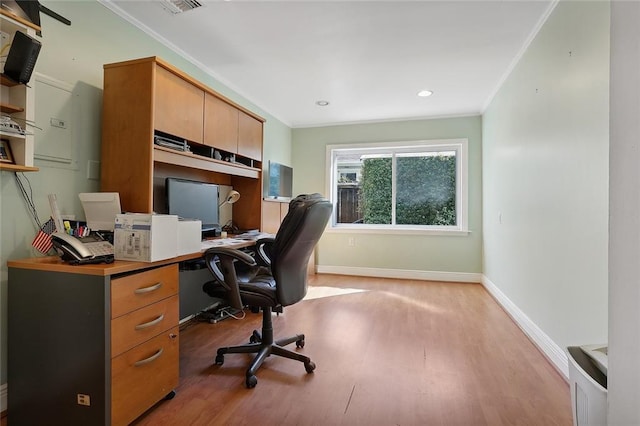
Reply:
x=349 y=229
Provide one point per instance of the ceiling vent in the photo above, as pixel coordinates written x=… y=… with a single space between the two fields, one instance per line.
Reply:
x=178 y=6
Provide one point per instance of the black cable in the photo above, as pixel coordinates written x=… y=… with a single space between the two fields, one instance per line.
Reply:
x=54 y=15
x=28 y=197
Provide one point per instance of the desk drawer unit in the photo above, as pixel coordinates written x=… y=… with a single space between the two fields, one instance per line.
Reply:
x=144 y=341
x=88 y=346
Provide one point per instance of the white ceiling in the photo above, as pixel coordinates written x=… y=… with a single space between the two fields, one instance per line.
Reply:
x=367 y=58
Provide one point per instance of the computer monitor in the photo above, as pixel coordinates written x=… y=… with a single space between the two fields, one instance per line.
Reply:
x=280 y=181
x=191 y=199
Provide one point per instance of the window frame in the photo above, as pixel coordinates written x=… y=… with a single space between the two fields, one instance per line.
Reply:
x=460 y=146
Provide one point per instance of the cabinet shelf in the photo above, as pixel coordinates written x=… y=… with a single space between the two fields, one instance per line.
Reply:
x=12 y=136
x=6 y=81
x=21 y=21
x=17 y=168
x=10 y=109
x=187 y=159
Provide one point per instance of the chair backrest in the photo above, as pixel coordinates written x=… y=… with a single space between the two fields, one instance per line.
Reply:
x=297 y=236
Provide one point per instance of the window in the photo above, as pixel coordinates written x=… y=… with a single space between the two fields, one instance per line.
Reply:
x=420 y=185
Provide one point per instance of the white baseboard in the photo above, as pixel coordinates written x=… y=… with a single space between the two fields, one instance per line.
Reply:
x=556 y=355
x=466 y=277
x=3 y=397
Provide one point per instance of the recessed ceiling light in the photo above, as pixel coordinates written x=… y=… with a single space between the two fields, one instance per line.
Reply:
x=322 y=103
x=425 y=93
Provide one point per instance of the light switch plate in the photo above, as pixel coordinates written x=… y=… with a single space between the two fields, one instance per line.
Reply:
x=93 y=170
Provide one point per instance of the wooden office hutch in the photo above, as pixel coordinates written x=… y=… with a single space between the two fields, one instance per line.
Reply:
x=148 y=97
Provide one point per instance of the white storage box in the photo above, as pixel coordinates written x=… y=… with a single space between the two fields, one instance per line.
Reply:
x=189 y=236
x=145 y=237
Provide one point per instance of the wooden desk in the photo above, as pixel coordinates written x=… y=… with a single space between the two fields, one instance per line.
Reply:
x=92 y=344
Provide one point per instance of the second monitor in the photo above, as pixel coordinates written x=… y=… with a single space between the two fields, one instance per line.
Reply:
x=195 y=200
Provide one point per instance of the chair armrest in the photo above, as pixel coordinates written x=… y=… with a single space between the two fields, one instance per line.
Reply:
x=231 y=252
x=263 y=249
x=220 y=261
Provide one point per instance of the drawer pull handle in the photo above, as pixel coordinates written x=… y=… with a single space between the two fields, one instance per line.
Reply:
x=151 y=288
x=150 y=359
x=150 y=323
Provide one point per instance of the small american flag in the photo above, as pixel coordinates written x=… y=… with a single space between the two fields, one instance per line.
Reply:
x=42 y=241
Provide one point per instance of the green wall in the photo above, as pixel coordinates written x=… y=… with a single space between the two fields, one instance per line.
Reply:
x=393 y=253
x=545 y=177
x=75 y=55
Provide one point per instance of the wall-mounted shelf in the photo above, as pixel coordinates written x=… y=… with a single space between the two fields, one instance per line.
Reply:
x=12 y=136
x=10 y=109
x=17 y=101
x=16 y=168
x=6 y=81
x=23 y=22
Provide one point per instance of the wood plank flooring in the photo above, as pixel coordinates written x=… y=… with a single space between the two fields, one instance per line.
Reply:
x=388 y=352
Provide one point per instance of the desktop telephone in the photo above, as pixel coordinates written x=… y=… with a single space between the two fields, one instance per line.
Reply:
x=81 y=250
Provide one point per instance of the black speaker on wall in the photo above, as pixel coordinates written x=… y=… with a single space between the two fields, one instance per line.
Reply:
x=22 y=57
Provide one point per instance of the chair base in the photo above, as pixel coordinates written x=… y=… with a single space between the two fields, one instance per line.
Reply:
x=264 y=346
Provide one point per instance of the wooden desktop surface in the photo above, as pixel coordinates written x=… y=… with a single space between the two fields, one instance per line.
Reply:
x=54 y=263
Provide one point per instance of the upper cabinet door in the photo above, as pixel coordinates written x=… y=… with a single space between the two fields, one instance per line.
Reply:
x=249 y=136
x=220 y=124
x=179 y=106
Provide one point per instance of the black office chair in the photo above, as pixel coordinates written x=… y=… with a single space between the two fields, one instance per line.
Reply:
x=282 y=283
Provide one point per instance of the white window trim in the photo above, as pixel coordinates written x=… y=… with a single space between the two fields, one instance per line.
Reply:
x=462 y=190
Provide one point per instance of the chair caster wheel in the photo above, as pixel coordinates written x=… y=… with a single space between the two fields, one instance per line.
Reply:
x=251 y=382
x=170 y=395
x=255 y=337
x=219 y=359
x=310 y=366
x=300 y=343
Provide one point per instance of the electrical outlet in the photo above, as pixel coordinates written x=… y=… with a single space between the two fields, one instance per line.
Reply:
x=57 y=122
x=84 y=399
x=351 y=242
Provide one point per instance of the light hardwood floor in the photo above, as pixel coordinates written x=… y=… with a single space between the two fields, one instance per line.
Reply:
x=388 y=352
